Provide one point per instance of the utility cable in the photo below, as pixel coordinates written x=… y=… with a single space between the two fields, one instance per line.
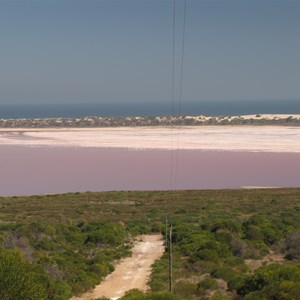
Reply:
x=180 y=92
x=173 y=91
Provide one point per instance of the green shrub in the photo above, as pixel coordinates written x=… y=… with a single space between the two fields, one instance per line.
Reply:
x=161 y=296
x=254 y=233
x=82 y=282
x=224 y=236
x=185 y=288
x=271 y=282
x=59 y=290
x=233 y=278
x=289 y=290
x=16 y=281
x=105 y=234
x=230 y=225
x=207 y=284
x=134 y=294
x=218 y=296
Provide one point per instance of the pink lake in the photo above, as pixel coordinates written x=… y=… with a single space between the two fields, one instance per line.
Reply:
x=43 y=170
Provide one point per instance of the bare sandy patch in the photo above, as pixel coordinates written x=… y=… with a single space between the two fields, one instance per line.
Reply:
x=130 y=273
x=272 y=257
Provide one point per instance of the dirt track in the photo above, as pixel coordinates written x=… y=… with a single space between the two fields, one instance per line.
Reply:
x=131 y=272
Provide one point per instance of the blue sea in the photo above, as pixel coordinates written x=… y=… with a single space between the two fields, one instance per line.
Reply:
x=125 y=109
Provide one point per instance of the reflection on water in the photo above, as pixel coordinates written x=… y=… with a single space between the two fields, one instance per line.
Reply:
x=43 y=170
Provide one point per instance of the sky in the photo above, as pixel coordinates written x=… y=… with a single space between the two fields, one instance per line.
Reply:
x=111 y=51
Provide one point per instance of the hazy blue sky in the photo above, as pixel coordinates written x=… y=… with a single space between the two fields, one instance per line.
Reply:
x=103 y=51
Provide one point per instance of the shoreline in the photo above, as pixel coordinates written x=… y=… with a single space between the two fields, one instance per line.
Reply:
x=166 y=150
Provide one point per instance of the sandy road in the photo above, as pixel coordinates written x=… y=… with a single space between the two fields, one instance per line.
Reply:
x=131 y=272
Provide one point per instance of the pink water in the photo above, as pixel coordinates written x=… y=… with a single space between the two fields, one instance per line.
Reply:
x=26 y=171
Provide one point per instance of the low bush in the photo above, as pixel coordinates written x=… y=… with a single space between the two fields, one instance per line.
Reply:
x=207 y=284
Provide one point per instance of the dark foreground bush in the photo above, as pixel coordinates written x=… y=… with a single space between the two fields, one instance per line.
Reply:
x=16 y=283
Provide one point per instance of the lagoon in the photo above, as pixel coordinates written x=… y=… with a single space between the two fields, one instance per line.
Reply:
x=44 y=170
x=45 y=161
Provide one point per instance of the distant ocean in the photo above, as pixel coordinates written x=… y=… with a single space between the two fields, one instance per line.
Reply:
x=123 y=109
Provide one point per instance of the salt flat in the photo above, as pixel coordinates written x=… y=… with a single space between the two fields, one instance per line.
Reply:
x=216 y=138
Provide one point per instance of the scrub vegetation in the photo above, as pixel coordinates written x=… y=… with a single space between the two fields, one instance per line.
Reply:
x=227 y=244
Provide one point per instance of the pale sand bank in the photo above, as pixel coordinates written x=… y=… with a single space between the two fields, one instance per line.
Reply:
x=206 y=138
x=254 y=187
x=248 y=117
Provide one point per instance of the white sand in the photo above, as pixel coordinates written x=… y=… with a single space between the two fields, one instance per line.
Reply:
x=217 y=138
x=269 y=116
